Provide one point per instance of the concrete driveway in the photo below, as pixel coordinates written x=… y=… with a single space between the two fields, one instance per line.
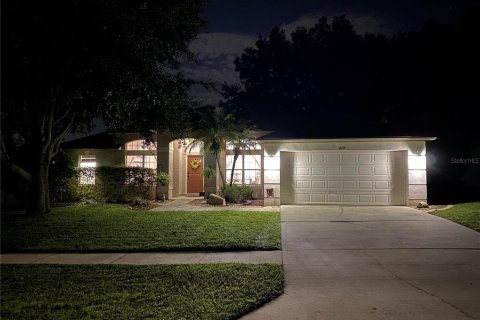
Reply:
x=375 y=263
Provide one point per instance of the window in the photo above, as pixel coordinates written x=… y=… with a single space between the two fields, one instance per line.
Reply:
x=251 y=146
x=140 y=145
x=87 y=169
x=247 y=169
x=144 y=161
x=141 y=154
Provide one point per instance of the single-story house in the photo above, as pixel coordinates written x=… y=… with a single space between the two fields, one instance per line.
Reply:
x=346 y=171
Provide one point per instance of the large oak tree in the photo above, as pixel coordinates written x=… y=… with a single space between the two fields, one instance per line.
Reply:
x=66 y=62
x=335 y=81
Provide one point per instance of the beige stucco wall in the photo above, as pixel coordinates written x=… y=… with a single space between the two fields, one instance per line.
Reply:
x=416 y=188
x=104 y=157
x=173 y=160
x=210 y=185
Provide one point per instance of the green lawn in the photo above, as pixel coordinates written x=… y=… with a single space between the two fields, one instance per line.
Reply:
x=216 y=291
x=111 y=227
x=467 y=214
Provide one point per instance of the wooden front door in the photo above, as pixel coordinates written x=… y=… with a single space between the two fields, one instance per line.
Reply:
x=194 y=178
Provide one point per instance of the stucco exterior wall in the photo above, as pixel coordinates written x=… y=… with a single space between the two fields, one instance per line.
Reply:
x=210 y=185
x=104 y=157
x=415 y=150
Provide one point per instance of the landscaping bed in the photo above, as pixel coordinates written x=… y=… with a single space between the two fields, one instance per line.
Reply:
x=467 y=214
x=248 y=204
x=115 y=228
x=216 y=291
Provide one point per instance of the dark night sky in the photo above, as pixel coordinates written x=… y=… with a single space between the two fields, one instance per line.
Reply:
x=233 y=25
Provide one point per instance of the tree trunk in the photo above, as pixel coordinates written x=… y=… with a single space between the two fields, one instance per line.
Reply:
x=235 y=158
x=222 y=176
x=40 y=194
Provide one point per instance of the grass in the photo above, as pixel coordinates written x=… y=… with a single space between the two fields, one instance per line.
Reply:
x=115 y=228
x=216 y=291
x=467 y=214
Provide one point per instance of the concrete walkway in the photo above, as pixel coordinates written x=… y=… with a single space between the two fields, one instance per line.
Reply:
x=253 y=257
x=375 y=263
x=184 y=203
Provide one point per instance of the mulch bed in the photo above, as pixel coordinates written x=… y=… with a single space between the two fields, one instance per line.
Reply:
x=432 y=207
x=252 y=204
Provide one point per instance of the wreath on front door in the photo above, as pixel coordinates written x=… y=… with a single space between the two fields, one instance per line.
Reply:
x=195 y=163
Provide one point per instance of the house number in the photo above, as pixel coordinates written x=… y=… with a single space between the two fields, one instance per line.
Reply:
x=341 y=148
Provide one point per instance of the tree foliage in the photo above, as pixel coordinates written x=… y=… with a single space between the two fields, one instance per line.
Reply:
x=214 y=129
x=337 y=82
x=67 y=61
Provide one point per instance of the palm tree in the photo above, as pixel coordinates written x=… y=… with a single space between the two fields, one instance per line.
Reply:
x=243 y=141
x=213 y=132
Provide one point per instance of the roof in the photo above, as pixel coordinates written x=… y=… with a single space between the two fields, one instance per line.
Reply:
x=297 y=136
x=366 y=139
x=103 y=140
x=113 y=140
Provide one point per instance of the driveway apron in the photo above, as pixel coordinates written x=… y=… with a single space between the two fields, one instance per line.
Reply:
x=375 y=263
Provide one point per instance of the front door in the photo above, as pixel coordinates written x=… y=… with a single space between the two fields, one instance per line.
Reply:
x=194 y=178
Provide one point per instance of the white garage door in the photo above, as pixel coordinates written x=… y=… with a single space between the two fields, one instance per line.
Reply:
x=359 y=178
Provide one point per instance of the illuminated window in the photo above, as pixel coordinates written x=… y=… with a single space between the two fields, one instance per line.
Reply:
x=140 y=145
x=87 y=169
x=248 y=146
x=247 y=169
x=143 y=161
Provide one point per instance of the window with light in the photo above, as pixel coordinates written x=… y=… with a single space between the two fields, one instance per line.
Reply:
x=140 y=145
x=87 y=169
x=247 y=169
x=143 y=161
x=140 y=154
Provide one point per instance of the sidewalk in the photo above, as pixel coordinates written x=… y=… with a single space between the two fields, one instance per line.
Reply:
x=183 y=203
x=143 y=258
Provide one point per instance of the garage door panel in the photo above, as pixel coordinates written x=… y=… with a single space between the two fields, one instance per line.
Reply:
x=334 y=184
x=349 y=158
x=332 y=158
x=318 y=184
x=381 y=170
x=302 y=184
x=381 y=158
x=350 y=184
x=382 y=198
x=365 y=184
x=334 y=197
x=302 y=197
x=363 y=170
x=302 y=158
x=332 y=170
x=299 y=171
x=365 y=198
x=382 y=185
x=316 y=171
x=317 y=158
x=364 y=158
x=350 y=178
x=348 y=170
x=318 y=197
x=350 y=198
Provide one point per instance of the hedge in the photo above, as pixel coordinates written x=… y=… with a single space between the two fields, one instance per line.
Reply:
x=113 y=184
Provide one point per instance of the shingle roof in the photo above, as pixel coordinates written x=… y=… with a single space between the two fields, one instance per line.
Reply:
x=103 y=140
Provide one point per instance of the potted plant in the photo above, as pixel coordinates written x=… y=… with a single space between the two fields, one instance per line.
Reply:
x=163 y=178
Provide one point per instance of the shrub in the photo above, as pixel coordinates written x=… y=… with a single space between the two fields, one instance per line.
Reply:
x=163 y=178
x=61 y=172
x=115 y=184
x=140 y=202
x=208 y=173
x=237 y=193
